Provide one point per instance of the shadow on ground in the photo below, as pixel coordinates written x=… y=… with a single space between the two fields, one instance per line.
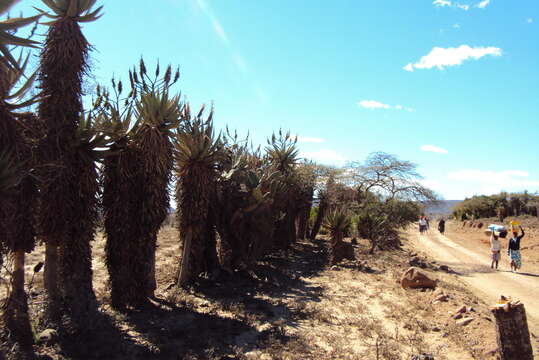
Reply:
x=221 y=319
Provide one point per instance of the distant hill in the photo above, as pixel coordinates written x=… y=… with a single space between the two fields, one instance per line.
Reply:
x=441 y=208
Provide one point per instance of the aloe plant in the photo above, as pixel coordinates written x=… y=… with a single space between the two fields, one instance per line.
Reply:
x=338 y=223
x=136 y=181
x=69 y=192
x=197 y=151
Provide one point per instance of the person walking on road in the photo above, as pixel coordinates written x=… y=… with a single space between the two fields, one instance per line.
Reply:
x=422 y=224
x=495 y=248
x=441 y=226
x=513 y=250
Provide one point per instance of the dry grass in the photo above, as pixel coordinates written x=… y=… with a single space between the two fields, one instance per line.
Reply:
x=290 y=306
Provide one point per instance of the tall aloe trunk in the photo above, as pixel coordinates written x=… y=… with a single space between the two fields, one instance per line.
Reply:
x=303 y=220
x=196 y=153
x=193 y=221
x=322 y=208
x=17 y=234
x=157 y=162
x=65 y=222
x=122 y=199
x=336 y=241
x=68 y=215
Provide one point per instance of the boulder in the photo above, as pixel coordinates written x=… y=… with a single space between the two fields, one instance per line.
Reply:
x=47 y=336
x=414 y=278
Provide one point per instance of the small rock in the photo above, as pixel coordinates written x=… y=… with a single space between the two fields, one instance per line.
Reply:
x=457 y=316
x=470 y=309
x=444 y=268
x=436 y=329
x=461 y=310
x=491 y=352
x=464 y=321
x=442 y=297
x=422 y=357
x=439 y=291
x=47 y=336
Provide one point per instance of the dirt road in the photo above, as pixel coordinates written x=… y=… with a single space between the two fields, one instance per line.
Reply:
x=473 y=267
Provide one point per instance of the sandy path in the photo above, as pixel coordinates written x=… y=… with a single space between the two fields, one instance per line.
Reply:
x=474 y=268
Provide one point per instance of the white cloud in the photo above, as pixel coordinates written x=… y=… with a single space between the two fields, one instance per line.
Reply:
x=435 y=149
x=325 y=156
x=441 y=3
x=465 y=7
x=239 y=61
x=529 y=20
x=306 y=139
x=491 y=182
x=442 y=57
x=373 y=104
x=262 y=95
x=430 y=183
x=202 y=5
x=483 y=4
x=219 y=30
x=456 y=26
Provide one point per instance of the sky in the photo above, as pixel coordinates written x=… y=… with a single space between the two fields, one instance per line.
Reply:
x=451 y=86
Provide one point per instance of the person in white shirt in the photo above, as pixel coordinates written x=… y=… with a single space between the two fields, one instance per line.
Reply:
x=422 y=224
x=495 y=248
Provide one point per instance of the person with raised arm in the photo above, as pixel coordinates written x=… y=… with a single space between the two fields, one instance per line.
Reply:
x=513 y=250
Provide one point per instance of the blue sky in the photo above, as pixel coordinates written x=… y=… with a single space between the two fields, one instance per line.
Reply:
x=452 y=86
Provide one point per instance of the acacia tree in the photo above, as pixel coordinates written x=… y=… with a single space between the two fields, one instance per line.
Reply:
x=388 y=176
x=388 y=192
x=68 y=214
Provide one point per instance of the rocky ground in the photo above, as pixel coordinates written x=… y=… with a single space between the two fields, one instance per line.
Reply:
x=290 y=306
